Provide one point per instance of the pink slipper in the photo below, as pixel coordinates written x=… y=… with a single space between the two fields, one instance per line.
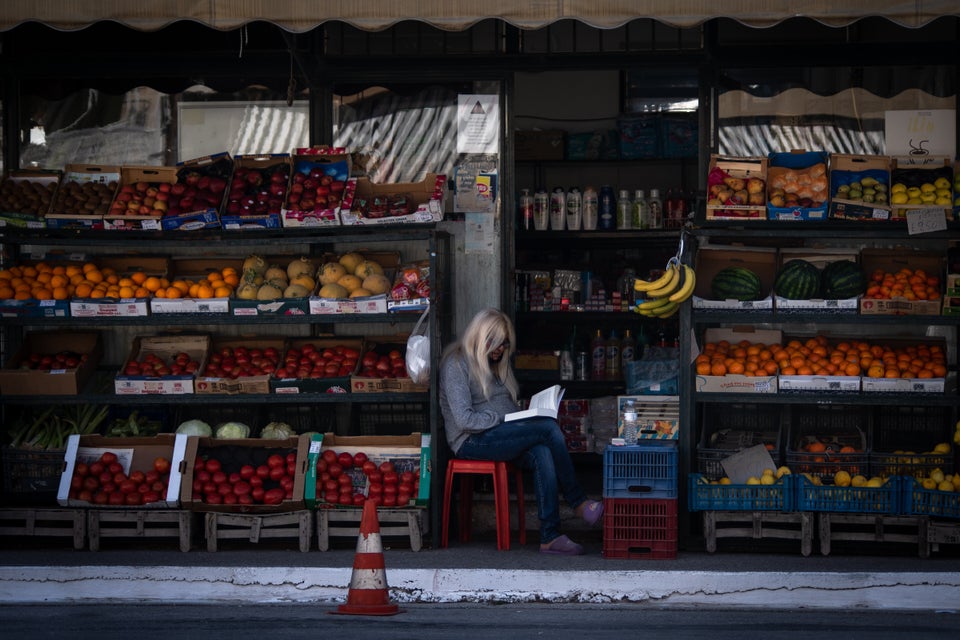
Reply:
x=592 y=512
x=563 y=546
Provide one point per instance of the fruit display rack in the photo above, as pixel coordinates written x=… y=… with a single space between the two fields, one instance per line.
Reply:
x=431 y=244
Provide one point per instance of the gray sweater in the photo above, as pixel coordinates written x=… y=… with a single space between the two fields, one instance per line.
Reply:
x=465 y=410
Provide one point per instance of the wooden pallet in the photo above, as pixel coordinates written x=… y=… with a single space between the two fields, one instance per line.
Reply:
x=869 y=527
x=65 y=523
x=235 y=526
x=140 y=523
x=393 y=522
x=758 y=525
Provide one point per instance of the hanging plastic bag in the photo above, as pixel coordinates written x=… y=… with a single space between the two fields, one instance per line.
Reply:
x=418 y=351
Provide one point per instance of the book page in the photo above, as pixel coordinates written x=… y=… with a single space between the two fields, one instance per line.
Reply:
x=543 y=403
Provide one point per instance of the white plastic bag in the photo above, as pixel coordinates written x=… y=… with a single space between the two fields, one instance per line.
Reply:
x=418 y=351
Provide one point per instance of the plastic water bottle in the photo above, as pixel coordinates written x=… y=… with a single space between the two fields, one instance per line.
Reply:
x=629 y=431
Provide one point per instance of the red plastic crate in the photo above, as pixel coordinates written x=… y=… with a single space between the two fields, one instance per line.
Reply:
x=640 y=528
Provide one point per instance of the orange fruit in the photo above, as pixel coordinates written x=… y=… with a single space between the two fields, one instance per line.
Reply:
x=173 y=292
x=138 y=277
x=83 y=290
x=204 y=291
x=222 y=292
x=60 y=293
x=703 y=368
x=6 y=292
x=94 y=275
x=126 y=291
x=152 y=284
x=718 y=369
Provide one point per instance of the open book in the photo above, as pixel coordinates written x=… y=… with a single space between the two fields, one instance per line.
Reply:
x=543 y=403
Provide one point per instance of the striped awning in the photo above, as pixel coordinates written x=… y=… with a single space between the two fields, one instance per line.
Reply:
x=456 y=15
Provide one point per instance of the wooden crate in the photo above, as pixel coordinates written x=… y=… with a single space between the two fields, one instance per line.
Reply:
x=869 y=527
x=140 y=523
x=758 y=525
x=253 y=528
x=62 y=523
x=410 y=522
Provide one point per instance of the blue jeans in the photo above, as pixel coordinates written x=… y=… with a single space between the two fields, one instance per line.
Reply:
x=535 y=444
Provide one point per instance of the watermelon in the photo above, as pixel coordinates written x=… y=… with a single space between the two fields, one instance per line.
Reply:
x=735 y=283
x=842 y=279
x=797 y=280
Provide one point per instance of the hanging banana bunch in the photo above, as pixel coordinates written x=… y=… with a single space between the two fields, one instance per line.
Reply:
x=664 y=295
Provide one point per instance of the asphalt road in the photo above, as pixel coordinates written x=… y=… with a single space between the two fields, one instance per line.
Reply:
x=476 y=622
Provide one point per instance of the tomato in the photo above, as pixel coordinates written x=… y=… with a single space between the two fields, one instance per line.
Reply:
x=276 y=460
x=138 y=476
x=96 y=468
x=108 y=457
x=345 y=460
x=143 y=488
x=229 y=498
x=389 y=500
x=332 y=497
x=101 y=497
x=233 y=477
x=403 y=497
x=276 y=473
x=291 y=469
x=406 y=477
x=116 y=499
x=257 y=494
x=213 y=498
x=335 y=470
x=127 y=486
x=209 y=487
x=377 y=500
x=391 y=477
x=287 y=483
x=81 y=469
x=212 y=465
x=345 y=481
x=291 y=458
x=76 y=483
x=90 y=483
x=105 y=477
x=133 y=498
x=244 y=499
x=161 y=465
x=224 y=489
x=241 y=488
x=247 y=471
x=359 y=499
x=115 y=468
x=263 y=472
x=218 y=477
x=203 y=475
x=375 y=488
x=386 y=466
x=369 y=467
x=85 y=495
x=150 y=496
x=256 y=481
x=159 y=486
x=359 y=459
x=273 y=496
x=346 y=498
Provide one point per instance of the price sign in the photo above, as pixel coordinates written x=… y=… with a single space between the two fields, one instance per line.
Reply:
x=926 y=220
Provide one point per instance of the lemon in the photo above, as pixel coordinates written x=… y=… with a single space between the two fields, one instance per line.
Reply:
x=724 y=480
x=928 y=197
x=767 y=472
x=942 y=447
x=768 y=478
x=753 y=480
x=941 y=183
x=899 y=197
x=944 y=193
x=942 y=202
x=841 y=479
x=926 y=187
x=928 y=483
x=937 y=476
x=858 y=481
x=945 y=486
x=913 y=192
x=898 y=188
x=916 y=200
x=783 y=471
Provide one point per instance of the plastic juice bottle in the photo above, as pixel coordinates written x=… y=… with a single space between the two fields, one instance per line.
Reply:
x=640 y=212
x=598 y=356
x=656 y=209
x=624 y=210
x=628 y=349
x=613 y=371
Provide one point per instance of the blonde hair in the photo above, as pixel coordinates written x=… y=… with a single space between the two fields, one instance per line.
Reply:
x=488 y=330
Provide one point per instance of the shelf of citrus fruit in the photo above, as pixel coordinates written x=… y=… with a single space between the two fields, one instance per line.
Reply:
x=818 y=356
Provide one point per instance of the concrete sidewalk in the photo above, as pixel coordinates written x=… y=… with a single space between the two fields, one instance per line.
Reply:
x=477 y=572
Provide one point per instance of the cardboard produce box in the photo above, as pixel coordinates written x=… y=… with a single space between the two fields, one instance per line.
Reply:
x=195 y=270
x=797 y=186
x=233 y=456
x=739 y=383
x=135 y=207
x=341 y=355
x=121 y=307
x=820 y=258
x=71 y=359
x=892 y=261
x=317 y=184
x=246 y=207
x=846 y=170
x=724 y=202
x=410 y=453
x=133 y=455
x=383 y=367
x=915 y=176
x=907 y=385
x=200 y=194
x=389 y=262
x=83 y=197
x=166 y=348
x=711 y=259
x=366 y=202
x=227 y=352
x=26 y=196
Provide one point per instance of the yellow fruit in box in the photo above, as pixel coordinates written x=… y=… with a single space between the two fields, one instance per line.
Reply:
x=767 y=472
x=874 y=482
x=898 y=188
x=927 y=187
x=350 y=282
x=376 y=283
x=841 y=479
x=724 y=480
x=928 y=483
x=942 y=447
x=945 y=486
x=367 y=268
x=899 y=198
x=360 y=292
x=942 y=202
x=753 y=480
x=944 y=193
x=330 y=272
x=768 y=478
x=937 y=476
x=941 y=183
x=858 y=481
x=332 y=290
x=783 y=471
x=350 y=261
x=913 y=192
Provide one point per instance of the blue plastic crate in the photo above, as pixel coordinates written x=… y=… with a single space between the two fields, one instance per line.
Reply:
x=915 y=500
x=640 y=471
x=829 y=498
x=703 y=496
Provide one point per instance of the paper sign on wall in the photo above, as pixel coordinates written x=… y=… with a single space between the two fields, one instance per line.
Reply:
x=930 y=132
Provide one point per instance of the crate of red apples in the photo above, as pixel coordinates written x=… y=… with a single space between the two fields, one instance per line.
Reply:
x=317 y=365
x=259 y=186
x=383 y=368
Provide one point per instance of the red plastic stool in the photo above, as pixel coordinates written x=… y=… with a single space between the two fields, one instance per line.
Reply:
x=499 y=471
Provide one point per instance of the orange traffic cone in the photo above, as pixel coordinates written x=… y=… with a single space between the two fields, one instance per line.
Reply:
x=368 y=594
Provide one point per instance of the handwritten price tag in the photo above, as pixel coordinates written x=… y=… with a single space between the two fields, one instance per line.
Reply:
x=926 y=220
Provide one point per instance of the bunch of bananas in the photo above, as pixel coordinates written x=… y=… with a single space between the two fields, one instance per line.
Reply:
x=664 y=295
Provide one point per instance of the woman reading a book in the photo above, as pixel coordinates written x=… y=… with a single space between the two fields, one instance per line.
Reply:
x=477 y=392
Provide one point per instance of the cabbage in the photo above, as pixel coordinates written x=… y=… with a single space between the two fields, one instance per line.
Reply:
x=232 y=431
x=277 y=431
x=195 y=428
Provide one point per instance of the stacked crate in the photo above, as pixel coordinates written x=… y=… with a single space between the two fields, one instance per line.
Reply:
x=640 y=501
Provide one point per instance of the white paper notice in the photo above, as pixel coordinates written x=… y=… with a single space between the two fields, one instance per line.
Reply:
x=478 y=123
x=478 y=232
x=929 y=132
x=926 y=220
